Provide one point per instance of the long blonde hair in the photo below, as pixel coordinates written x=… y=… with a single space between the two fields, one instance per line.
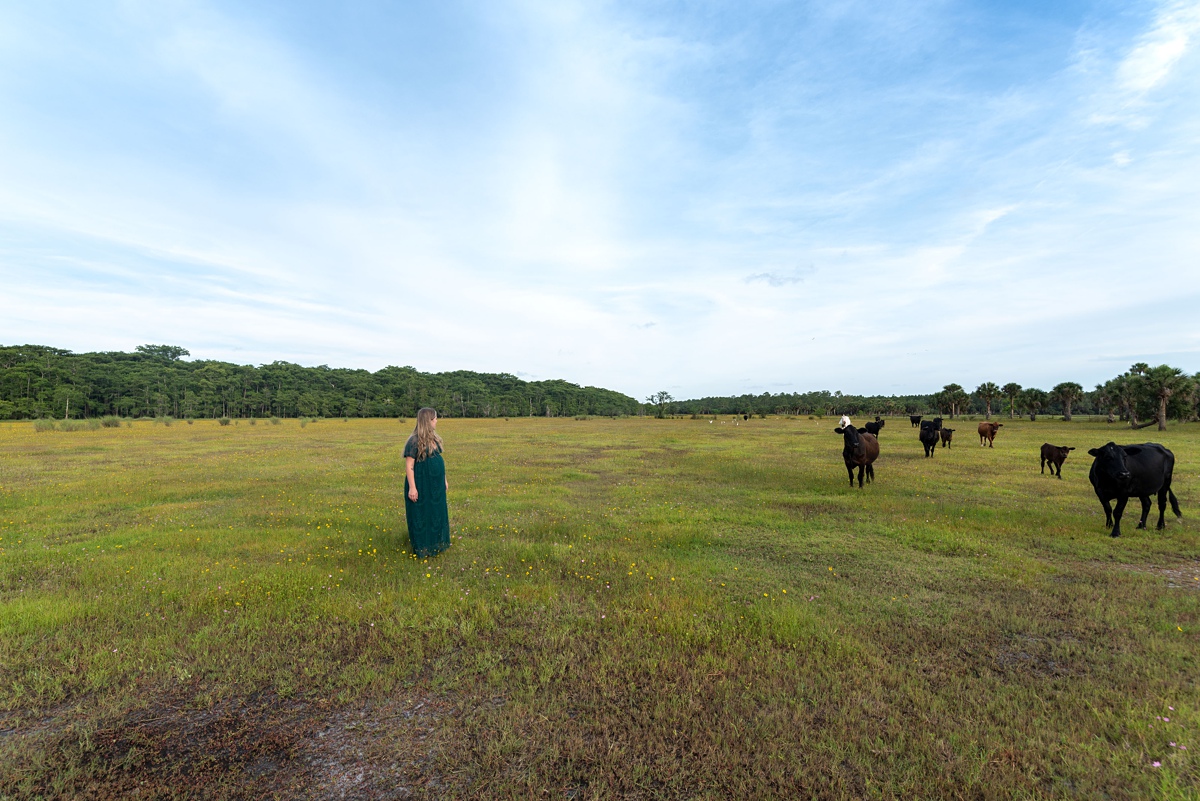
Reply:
x=428 y=441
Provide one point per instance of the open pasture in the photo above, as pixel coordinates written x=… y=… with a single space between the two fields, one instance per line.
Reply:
x=631 y=608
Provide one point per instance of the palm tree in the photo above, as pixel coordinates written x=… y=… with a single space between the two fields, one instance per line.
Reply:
x=1160 y=384
x=1126 y=390
x=1034 y=400
x=1067 y=393
x=955 y=398
x=1011 y=391
x=988 y=391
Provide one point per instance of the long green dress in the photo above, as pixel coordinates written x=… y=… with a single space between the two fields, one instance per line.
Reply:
x=428 y=518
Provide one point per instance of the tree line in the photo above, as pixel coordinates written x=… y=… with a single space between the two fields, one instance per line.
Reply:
x=1142 y=396
x=37 y=381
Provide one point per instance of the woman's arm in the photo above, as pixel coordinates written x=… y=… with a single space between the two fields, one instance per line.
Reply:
x=412 y=479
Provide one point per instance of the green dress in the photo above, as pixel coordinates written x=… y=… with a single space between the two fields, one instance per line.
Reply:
x=428 y=518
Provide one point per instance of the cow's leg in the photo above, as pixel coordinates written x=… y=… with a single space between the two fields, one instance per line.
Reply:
x=990 y=441
x=1044 y=467
x=1145 y=499
x=861 y=470
x=1162 y=509
x=850 y=470
x=1059 y=471
x=1120 y=510
x=871 y=473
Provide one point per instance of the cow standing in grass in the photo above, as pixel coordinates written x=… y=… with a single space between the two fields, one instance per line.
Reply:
x=874 y=428
x=987 y=433
x=915 y=419
x=1123 y=471
x=930 y=434
x=947 y=436
x=860 y=450
x=1055 y=455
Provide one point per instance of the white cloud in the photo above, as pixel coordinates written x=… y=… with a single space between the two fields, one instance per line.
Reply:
x=1157 y=51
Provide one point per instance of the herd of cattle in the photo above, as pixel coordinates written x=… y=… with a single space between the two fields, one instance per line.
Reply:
x=1119 y=472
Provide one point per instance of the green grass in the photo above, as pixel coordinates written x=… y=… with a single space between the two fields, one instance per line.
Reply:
x=630 y=608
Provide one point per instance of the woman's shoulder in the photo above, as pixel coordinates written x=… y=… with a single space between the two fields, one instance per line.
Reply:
x=410 y=446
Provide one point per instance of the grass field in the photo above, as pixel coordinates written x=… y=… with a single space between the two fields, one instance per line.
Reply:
x=630 y=608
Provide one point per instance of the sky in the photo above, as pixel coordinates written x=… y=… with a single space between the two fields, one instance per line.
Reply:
x=706 y=198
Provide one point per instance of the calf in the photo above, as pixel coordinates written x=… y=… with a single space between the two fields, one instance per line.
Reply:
x=1124 y=471
x=1055 y=455
x=987 y=433
x=947 y=435
x=929 y=436
x=873 y=428
x=915 y=419
x=860 y=450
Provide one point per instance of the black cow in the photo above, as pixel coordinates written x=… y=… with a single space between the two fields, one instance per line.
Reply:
x=947 y=435
x=930 y=434
x=873 y=428
x=915 y=419
x=860 y=450
x=1055 y=455
x=1124 y=471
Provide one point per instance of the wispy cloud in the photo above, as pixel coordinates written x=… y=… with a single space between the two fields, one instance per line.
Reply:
x=779 y=278
x=1156 y=52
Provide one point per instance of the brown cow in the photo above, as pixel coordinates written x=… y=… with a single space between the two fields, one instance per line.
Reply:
x=987 y=433
x=860 y=450
x=947 y=435
x=1055 y=455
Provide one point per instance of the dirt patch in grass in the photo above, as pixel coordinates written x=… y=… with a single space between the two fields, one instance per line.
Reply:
x=1185 y=576
x=257 y=746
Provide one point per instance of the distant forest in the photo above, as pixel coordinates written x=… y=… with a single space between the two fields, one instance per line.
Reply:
x=1141 y=396
x=37 y=381
x=155 y=381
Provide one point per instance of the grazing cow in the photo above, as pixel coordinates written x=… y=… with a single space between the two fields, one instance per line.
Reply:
x=947 y=435
x=987 y=433
x=1055 y=455
x=929 y=436
x=860 y=450
x=873 y=428
x=1139 y=471
x=915 y=419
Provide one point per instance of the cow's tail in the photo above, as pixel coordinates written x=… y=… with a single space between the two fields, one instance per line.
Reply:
x=1174 y=502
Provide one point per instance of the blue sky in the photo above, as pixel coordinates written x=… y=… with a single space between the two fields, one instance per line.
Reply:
x=707 y=198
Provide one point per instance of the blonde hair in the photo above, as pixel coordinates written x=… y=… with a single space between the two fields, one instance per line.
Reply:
x=428 y=442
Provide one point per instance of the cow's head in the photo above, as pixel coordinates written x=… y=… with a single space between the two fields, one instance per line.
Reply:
x=1110 y=460
x=1063 y=450
x=853 y=442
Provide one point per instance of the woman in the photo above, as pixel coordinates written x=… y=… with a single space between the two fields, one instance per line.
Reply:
x=425 y=487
